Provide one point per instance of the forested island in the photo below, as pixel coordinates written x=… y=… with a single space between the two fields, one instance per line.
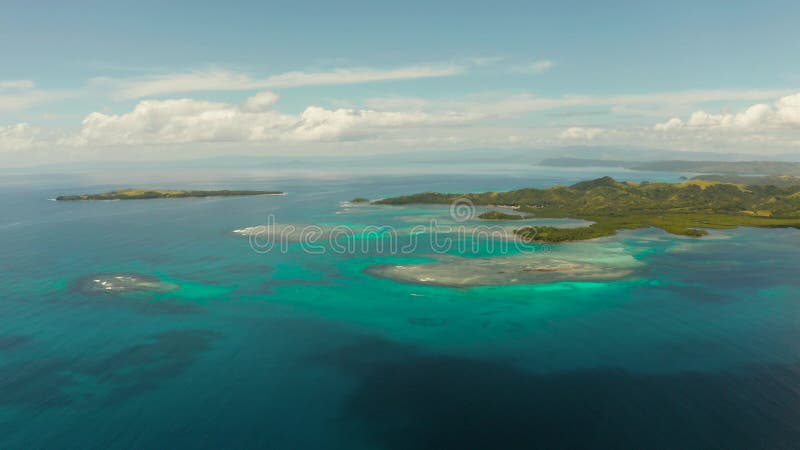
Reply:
x=499 y=215
x=679 y=208
x=145 y=194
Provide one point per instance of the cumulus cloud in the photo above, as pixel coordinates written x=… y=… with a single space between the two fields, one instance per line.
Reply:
x=785 y=113
x=188 y=120
x=172 y=121
x=18 y=137
x=671 y=124
x=224 y=80
x=405 y=122
x=788 y=109
x=261 y=101
x=582 y=133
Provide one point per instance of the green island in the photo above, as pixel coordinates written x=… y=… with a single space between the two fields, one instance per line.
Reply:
x=499 y=215
x=146 y=194
x=679 y=208
x=359 y=200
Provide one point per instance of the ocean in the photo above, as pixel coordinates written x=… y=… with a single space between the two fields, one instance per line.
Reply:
x=679 y=343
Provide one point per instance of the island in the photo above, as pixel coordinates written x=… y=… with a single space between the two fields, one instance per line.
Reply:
x=146 y=194
x=686 y=208
x=774 y=168
x=776 y=173
x=359 y=200
x=499 y=215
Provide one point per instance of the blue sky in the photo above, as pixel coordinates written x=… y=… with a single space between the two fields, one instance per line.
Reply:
x=716 y=76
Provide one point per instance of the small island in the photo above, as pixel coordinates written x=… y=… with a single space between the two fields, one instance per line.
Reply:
x=359 y=200
x=146 y=194
x=498 y=215
x=686 y=208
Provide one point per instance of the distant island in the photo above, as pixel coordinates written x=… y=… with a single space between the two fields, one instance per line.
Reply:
x=771 y=168
x=677 y=208
x=146 y=194
x=359 y=200
x=765 y=180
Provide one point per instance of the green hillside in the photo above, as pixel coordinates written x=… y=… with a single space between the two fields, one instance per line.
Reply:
x=683 y=208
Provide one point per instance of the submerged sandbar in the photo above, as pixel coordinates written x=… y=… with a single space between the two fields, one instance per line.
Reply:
x=593 y=262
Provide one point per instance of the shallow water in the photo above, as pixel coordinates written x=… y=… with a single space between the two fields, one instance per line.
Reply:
x=697 y=347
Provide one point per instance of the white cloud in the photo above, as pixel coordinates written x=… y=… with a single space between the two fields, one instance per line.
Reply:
x=483 y=61
x=188 y=121
x=788 y=109
x=261 y=101
x=581 y=133
x=671 y=124
x=784 y=114
x=27 y=98
x=18 y=137
x=223 y=80
x=216 y=80
x=647 y=104
x=536 y=67
x=405 y=122
x=353 y=76
x=758 y=128
x=21 y=94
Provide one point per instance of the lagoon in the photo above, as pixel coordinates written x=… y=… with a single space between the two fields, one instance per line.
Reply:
x=694 y=347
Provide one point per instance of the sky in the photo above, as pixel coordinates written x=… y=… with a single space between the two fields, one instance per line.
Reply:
x=175 y=80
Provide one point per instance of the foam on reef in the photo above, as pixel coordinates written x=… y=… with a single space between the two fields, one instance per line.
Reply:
x=123 y=282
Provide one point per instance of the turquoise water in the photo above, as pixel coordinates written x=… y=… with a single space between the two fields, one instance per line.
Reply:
x=698 y=347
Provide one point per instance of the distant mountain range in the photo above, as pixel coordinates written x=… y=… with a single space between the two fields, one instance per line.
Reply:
x=764 y=168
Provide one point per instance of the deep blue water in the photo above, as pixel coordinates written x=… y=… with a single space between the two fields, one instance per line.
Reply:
x=698 y=348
